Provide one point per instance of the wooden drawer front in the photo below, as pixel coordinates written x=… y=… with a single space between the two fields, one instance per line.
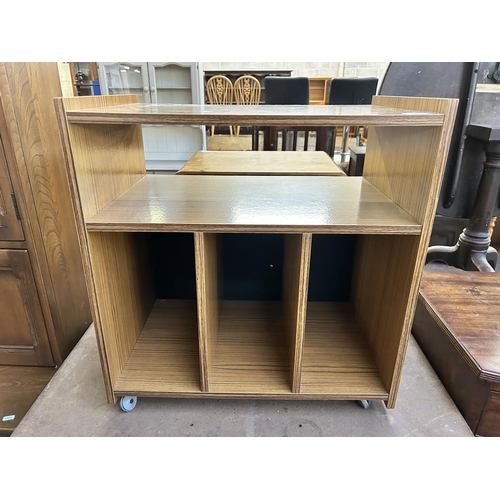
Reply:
x=23 y=336
x=489 y=425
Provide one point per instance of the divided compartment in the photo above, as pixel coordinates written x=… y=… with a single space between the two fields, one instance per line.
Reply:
x=146 y=287
x=351 y=313
x=249 y=309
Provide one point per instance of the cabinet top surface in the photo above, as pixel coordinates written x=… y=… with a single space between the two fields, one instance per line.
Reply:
x=207 y=114
x=186 y=203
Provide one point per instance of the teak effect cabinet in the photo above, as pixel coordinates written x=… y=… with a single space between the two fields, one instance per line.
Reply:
x=249 y=286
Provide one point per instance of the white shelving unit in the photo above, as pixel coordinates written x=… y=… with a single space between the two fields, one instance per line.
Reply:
x=166 y=147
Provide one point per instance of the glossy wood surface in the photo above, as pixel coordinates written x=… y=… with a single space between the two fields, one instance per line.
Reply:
x=206 y=114
x=466 y=305
x=336 y=357
x=469 y=393
x=261 y=163
x=253 y=203
x=23 y=335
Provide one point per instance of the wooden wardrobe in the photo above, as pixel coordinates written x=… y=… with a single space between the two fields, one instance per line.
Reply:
x=44 y=307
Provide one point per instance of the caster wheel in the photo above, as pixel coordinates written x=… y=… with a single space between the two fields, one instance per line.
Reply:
x=127 y=403
x=364 y=403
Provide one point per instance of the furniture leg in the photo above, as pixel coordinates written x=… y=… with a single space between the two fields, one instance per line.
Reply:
x=473 y=252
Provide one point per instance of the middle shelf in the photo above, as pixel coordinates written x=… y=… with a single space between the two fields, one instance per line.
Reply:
x=254 y=204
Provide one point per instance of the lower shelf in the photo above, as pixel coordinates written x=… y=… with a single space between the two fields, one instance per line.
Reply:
x=336 y=358
x=165 y=358
x=252 y=354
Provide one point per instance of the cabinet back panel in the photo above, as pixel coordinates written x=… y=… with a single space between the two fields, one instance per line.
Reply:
x=252 y=266
x=174 y=268
x=332 y=260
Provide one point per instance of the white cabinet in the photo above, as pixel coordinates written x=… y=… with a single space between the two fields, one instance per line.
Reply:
x=166 y=147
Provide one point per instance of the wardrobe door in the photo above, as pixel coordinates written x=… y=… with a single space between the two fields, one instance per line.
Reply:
x=23 y=335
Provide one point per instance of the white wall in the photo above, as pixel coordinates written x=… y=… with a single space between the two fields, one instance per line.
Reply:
x=359 y=69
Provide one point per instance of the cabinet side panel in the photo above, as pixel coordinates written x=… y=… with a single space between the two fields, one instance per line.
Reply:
x=295 y=285
x=382 y=288
x=209 y=296
x=407 y=163
x=106 y=159
x=124 y=287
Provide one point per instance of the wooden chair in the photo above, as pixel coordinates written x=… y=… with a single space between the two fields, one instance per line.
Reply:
x=294 y=90
x=351 y=91
x=220 y=91
x=247 y=90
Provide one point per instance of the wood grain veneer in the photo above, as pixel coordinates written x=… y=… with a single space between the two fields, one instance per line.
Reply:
x=336 y=357
x=295 y=285
x=125 y=293
x=252 y=354
x=30 y=137
x=165 y=358
x=194 y=114
x=261 y=163
x=253 y=203
x=464 y=304
x=407 y=166
x=277 y=348
x=19 y=388
x=208 y=260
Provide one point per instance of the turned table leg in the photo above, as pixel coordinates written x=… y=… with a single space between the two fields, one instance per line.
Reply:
x=473 y=252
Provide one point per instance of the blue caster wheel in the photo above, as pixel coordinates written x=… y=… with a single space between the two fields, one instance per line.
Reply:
x=127 y=403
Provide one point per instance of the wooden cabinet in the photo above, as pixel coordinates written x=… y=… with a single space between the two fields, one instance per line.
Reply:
x=246 y=286
x=44 y=307
x=166 y=147
x=456 y=325
x=319 y=89
x=10 y=220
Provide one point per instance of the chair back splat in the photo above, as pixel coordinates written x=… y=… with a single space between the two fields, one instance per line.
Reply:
x=247 y=90
x=220 y=91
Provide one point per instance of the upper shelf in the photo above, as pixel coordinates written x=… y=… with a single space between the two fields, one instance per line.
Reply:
x=187 y=203
x=206 y=114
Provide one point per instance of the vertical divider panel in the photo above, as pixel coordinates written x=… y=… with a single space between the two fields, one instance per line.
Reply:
x=208 y=259
x=295 y=285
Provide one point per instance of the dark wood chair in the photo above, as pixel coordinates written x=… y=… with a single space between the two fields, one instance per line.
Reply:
x=295 y=91
x=351 y=91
